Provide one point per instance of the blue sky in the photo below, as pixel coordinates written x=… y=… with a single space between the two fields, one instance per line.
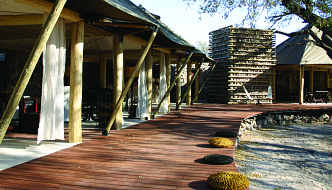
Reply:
x=186 y=21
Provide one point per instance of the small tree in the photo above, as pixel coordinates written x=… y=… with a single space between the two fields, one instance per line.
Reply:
x=314 y=12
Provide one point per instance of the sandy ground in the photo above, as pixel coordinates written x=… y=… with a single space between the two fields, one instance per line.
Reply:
x=292 y=157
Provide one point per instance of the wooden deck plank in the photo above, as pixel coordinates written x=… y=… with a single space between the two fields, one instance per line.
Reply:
x=158 y=154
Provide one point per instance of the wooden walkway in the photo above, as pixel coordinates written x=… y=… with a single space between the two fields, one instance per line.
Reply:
x=158 y=154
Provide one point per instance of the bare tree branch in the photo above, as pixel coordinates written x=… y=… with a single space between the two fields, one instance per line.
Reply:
x=301 y=32
x=320 y=42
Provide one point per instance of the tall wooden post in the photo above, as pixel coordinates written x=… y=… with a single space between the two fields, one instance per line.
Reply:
x=168 y=79
x=311 y=80
x=189 y=84
x=196 y=92
x=149 y=80
x=76 y=69
x=103 y=71
x=173 y=83
x=162 y=64
x=188 y=80
x=130 y=81
x=29 y=67
x=301 y=81
x=328 y=79
x=274 y=86
x=118 y=78
x=178 y=87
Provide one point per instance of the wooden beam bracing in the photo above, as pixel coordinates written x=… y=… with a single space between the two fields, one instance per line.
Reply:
x=76 y=69
x=46 y=6
x=173 y=83
x=205 y=81
x=130 y=81
x=30 y=66
x=191 y=83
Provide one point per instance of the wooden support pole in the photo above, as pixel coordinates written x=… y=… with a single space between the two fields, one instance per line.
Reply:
x=328 y=79
x=301 y=88
x=168 y=78
x=76 y=71
x=173 y=83
x=130 y=81
x=178 y=86
x=118 y=79
x=103 y=71
x=311 y=80
x=46 y=6
x=191 y=83
x=196 y=84
x=274 y=86
x=188 y=94
x=29 y=67
x=149 y=81
x=162 y=66
x=205 y=81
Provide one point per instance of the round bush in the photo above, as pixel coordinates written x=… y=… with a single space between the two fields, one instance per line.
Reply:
x=228 y=181
x=218 y=159
x=221 y=142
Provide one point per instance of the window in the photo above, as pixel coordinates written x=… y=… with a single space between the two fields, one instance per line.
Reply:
x=2 y=57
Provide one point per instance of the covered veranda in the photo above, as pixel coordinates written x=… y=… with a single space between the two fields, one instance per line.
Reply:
x=108 y=43
x=303 y=71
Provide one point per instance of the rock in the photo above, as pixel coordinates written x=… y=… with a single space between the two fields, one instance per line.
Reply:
x=324 y=118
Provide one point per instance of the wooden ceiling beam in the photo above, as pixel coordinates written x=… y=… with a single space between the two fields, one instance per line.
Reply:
x=163 y=50
x=20 y=20
x=46 y=6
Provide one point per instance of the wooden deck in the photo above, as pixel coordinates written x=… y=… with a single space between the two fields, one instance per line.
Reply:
x=158 y=154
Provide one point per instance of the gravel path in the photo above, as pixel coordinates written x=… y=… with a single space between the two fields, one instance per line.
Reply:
x=288 y=157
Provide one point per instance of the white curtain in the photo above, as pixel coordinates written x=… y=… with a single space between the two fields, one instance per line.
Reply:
x=163 y=86
x=51 y=125
x=142 y=105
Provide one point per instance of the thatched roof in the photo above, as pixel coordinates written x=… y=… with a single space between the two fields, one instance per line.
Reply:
x=124 y=11
x=301 y=50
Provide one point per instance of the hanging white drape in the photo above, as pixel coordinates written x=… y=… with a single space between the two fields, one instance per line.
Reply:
x=142 y=105
x=163 y=86
x=51 y=125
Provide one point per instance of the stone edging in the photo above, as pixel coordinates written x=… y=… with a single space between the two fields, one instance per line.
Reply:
x=281 y=118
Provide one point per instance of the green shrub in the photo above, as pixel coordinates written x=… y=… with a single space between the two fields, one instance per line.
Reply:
x=221 y=142
x=228 y=181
